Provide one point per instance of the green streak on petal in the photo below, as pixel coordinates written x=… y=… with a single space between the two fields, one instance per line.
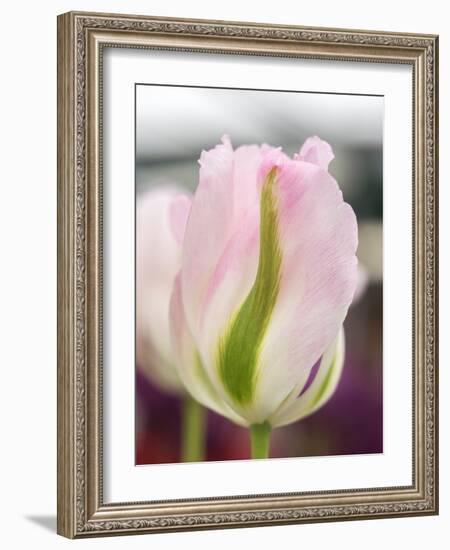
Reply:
x=327 y=388
x=325 y=385
x=240 y=346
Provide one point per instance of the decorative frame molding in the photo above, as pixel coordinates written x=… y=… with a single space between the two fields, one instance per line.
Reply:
x=81 y=37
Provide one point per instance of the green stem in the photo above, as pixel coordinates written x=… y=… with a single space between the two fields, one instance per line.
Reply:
x=192 y=431
x=260 y=438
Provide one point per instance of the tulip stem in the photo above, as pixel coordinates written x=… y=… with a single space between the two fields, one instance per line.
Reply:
x=192 y=431
x=260 y=438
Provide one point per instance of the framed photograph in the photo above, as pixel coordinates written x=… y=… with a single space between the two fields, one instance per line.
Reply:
x=247 y=274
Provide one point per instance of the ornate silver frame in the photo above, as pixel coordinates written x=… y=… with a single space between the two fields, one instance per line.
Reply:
x=81 y=37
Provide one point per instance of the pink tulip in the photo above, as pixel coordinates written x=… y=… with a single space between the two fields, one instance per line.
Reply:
x=160 y=223
x=268 y=272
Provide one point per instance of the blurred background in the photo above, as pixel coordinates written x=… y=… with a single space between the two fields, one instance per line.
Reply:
x=173 y=125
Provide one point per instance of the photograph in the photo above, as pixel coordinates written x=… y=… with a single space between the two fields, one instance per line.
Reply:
x=259 y=274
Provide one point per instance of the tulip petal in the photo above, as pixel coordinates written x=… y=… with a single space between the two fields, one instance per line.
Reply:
x=178 y=212
x=227 y=190
x=230 y=283
x=316 y=151
x=318 y=237
x=158 y=259
x=188 y=362
x=321 y=389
